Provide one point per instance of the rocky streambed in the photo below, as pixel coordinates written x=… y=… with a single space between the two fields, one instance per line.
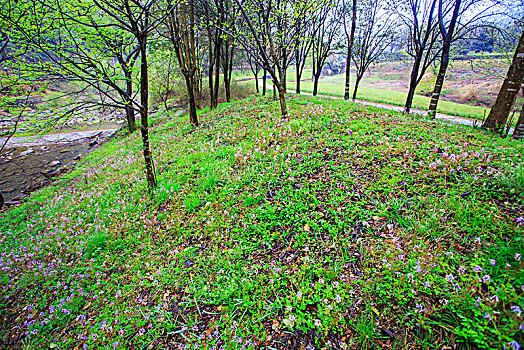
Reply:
x=31 y=162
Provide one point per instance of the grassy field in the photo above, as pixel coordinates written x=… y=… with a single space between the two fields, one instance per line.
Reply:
x=395 y=98
x=344 y=228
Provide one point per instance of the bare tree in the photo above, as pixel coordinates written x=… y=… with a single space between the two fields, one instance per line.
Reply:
x=452 y=28
x=261 y=37
x=329 y=18
x=500 y=111
x=255 y=67
x=374 y=35
x=181 y=26
x=350 y=39
x=519 y=127
x=421 y=24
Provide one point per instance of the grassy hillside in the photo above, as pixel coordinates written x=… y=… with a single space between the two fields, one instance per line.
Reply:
x=344 y=228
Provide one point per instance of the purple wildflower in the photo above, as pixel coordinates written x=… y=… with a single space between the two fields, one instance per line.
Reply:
x=516 y=310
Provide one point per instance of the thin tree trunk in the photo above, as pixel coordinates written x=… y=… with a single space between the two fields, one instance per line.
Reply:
x=357 y=83
x=218 y=47
x=190 y=84
x=225 y=72
x=412 y=84
x=282 y=99
x=508 y=92
x=256 y=83
x=519 y=128
x=130 y=112
x=299 y=76
x=444 y=63
x=264 y=83
x=350 y=48
x=298 y=72
x=315 y=84
x=210 y=72
x=144 y=127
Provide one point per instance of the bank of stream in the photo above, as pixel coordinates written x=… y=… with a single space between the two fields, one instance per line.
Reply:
x=29 y=165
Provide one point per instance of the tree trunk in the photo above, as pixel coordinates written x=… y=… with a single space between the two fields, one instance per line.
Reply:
x=413 y=83
x=357 y=83
x=282 y=99
x=444 y=63
x=210 y=73
x=190 y=84
x=144 y=127
x=508 y=92
x=298 y=72
x=256 y=83
x=218 y=46
x=130 y=112
x=519 y=128
x=316 y=77
x=350 y=48
x=264 y=82
x=299 y=76
x=225 y=72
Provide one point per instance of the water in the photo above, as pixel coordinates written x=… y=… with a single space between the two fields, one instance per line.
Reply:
x=21 y=173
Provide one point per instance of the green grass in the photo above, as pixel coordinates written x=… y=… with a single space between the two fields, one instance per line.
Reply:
x=395 y=98
x=347 y=226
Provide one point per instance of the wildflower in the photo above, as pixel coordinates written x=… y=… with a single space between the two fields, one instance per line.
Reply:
x=299 y=294
x=520 y=220
x=488 y=317
x=450 y=277
x=318 y=323
x=517 y=256
x=477 y=302
x=338 y=299
x=495 y=298
x=516 y=310
x=477 y=268
x=427 y=284
x=420 y=308
x=444 y=301
x=492 y=262
x=515 y=345
x=288 y=308
x=461 y=270
x=487 y=279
